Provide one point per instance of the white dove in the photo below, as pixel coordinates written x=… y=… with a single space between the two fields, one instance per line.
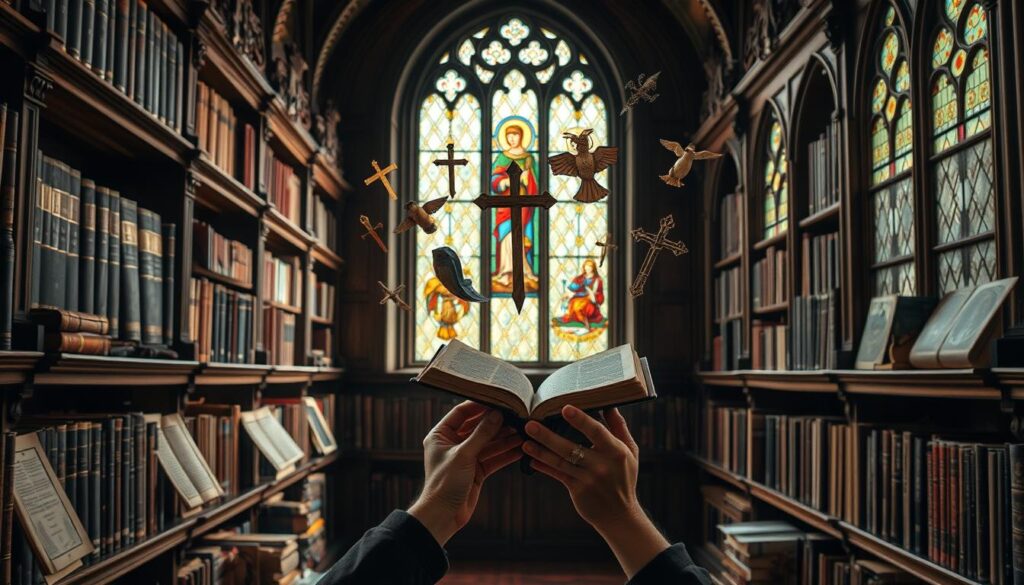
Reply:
x=681 y=168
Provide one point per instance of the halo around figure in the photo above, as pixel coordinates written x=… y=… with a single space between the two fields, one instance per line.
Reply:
x=529 y=133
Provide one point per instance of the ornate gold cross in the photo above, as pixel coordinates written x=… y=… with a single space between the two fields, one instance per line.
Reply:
x=382 y=176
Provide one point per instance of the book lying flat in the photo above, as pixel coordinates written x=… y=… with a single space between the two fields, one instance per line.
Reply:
x=611 y=378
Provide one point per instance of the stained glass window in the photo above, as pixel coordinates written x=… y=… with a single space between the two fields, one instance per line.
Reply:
x=776 y=184
x=962 y=162
x=892 y=138
x=506 y=94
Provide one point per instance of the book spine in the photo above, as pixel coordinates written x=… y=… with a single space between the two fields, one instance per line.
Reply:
x=70 y=456
x=114 y=265
x=83 y=479
x=51 y=15
x=72 y=196
x=8 y=167
x=96 y=489
x=118 y=441
x=108 y=71
x=107 y=505
x=38 y=231
x=151 y=276
x=1016 y=471
x=151 y=477
x=169 y=244
x=74 y=28
x=99 y=47
x=74 y=342
x=151 y=45
x=61 y=20
x=162 y=62
x=133 y=7
x=87 y=253
x=179 y=73
x=130 y=324
x=121 y=45
x=172 y=80
x=139 y=473
x=88 y=17
x=127 y=482
x=7 y=509
x=102 y=251
x=56 y=271
x=141 y=18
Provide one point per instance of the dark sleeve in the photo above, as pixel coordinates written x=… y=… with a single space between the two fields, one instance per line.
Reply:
x=400 y=551
x=673 y=565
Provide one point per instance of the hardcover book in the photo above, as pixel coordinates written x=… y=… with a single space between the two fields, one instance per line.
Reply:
x=611 y=378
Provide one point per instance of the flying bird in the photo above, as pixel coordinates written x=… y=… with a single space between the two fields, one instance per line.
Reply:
x=585 y=164
x=682 y=166
x=416 y=215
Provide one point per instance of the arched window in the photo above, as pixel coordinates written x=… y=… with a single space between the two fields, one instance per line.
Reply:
x=961 y=147
x=892 y=137
x=504 y=93
x=776 y=183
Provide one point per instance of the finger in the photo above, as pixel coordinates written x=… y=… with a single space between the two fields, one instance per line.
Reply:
x=482 y=435
x=541 y=453
x=593 y=430
x=620 y=430
x=505 y=459
x=500 y=445
x=550 y=439
x=459 y=415
x=549 y=471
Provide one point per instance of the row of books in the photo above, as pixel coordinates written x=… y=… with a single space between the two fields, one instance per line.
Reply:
x=373 y=422
x=221 y=323
x=279 y=335
x=284 y=186
x=129 y=46
x=280 y=279
x=768 y=281
x=8 y=170
x=769 y=345
x=220 y=254
x=727 y=346
x=791 y=454
x=323 y=300
x=728 y=295
x=814 y=332
x=98 y=252
x=824 y=177
x=300 y=510
x=820 y=264
x=216 y=129
x=730 y=220
x=325 y=224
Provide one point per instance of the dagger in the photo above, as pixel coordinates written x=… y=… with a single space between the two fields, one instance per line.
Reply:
x=371 y=230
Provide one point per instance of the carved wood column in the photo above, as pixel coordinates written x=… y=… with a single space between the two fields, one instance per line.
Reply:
x=36 y=87
x=185 y=343
x=257 y=281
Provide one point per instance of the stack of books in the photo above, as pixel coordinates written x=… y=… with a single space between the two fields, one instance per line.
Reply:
x=221 y=255
x=768 y=285
x=730 y=225
x=221 y=322
x=824 y=177
x=72 y=331
x=814 y=332
x=284 y=187
x=300 y=511
x=269 y=558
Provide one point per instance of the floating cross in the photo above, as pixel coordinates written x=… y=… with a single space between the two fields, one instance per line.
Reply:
x=392 y=295
x=382 y=176
x=451 y=162
x=516 y=203
x=656 y=242
x=606 y=246
x=371 y=230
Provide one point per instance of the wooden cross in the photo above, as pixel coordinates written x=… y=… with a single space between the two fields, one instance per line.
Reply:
x=451 y=162
x=371 y=230
x=392 y=295
x=516 y=202
x=656 y=243
x=382 y=176
x=606 y=246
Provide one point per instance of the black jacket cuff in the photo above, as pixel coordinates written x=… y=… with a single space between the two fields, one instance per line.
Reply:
x=673 y=562
x=418 y=543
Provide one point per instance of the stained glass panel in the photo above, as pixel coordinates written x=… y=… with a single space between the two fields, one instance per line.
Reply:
x=976 y=26
x=890 y=50
x=942 y=48
x=958 y=63
x=776 y=188
x=514 y=336
x=904 y=137
x=977 y=98
x=953 y=9
x=944 y=113
x=902 y=76
x=878 y=96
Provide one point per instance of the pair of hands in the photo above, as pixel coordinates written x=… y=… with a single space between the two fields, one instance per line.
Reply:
x=470 y=443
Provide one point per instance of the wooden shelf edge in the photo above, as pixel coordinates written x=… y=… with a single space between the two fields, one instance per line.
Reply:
x=769 y=309
x=906 y=560
x=16 y=31
x=245 y=80
x=65 y=369
x=728 y=260
x=287 y=231
x=328 y=178
x=830 y=212
x=221 y=192
x=288 y=135
x=775 y=240
x=220 y=278
x=956 y=384
x=325 y=256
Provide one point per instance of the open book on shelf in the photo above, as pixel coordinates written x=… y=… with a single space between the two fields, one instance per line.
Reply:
x=611 y=378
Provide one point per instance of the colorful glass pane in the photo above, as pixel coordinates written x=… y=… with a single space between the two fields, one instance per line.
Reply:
x=466 y=51
x=942 y=48
x=944 y=113
x=775 y=137
x=485 y=75
x=904 y=140
x=890 y=15
x=959 y=62
x=544 y=75
x=977 y=99
x=953 y=9
x=776 y=189
x=890 y=50
x=890 y=108
x=880 y=151
x=903 y=76
x=878 y=96
x=976 y=26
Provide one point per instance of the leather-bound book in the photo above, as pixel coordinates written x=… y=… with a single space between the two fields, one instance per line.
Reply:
x=141 y=48
x=111 y=441
x=81 y=343
x=127 y=482
x=74 y=38
x=139 y=473
x=69 y=456
x=130 y=323
x=150 y=276
x=96 y=488
x=108 y=71
x=88 y=17
x=87 y=248
x=133 y=7
x=82 y=473
x=38 y=235
x=114 y=265
x=121 y=45
x=61 y=20
x=117 y=489
x=151 y=52
x=7 y=508
x=69 y=213
x=169 y=243
x=1016 y=468
x=99 y=45
x=53 y=268
x=8 y=168
x=172 y=79
x=179 y=80
x=162 y=80
x=101 y=276
x=152 y=468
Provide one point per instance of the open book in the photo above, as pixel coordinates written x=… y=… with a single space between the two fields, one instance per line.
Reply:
x=611 y=378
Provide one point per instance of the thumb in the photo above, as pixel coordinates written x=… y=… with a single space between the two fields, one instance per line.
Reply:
x=482 y=434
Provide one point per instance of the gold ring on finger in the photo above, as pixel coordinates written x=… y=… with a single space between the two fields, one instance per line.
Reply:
x=576 y=457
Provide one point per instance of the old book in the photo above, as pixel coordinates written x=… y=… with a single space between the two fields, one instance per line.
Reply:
x=53 y=319
x=967 y=344
x=893 y=323
x=8 y=168
x=55 y=264
x=925 y=353
x=151 y=277
x=61 y=21
x=118 y=488
x=70 y=234
x=121 y=45
x=96 y=488
x=272 y=440
x=141 y=48
x=108 y=71
x=153 y=63
x=81 y=343
x=195 y=469
x=169 y=242
x=611 y=378
x=129 y=83
x=74 y=39
x=179 y=79
x=87 y=248
x=99 y=47
x=130 y=322
x=38 y=232
x=114 y=264
x=320 y=431
x=51 y=525
x=88 y=17
x=101 y=277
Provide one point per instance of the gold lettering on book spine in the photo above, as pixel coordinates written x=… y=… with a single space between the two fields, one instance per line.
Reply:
x=129 y=233
x=151 y=243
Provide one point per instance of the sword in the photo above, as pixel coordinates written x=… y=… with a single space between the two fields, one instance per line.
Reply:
x=371 y=230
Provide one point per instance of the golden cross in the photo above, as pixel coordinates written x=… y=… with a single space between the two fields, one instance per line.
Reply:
x=381 y=175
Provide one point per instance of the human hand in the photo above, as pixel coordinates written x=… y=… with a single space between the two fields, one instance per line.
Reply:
x=602 y=484
x=467 y=445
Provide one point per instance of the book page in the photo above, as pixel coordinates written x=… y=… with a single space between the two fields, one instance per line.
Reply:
x=465 y=362
x=322 y=436
x=175 y=472
x=606 y=368
x=51 y=524
x=277 y=434
x=191 y=459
